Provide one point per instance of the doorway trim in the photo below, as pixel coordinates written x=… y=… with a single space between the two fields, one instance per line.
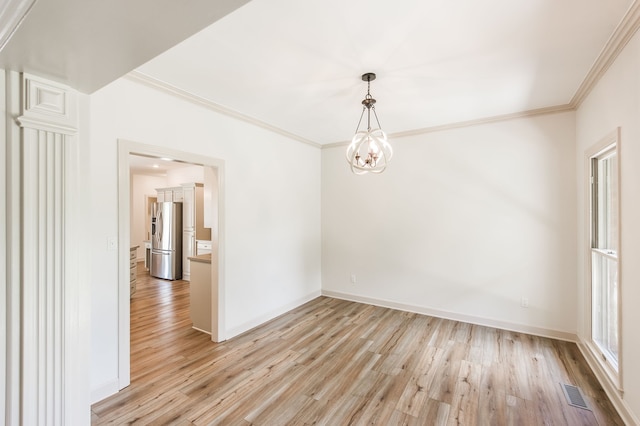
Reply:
x=126 y=148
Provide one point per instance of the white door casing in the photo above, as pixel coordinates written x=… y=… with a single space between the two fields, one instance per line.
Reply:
x=216 y=181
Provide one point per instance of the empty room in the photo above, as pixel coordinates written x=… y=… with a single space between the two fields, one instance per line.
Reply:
x=411 y=212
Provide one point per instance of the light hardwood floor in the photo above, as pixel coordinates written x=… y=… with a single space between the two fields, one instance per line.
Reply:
x=336 y=362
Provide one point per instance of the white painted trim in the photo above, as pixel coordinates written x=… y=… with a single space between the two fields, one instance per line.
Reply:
x=52 y=127
x=470 y=123
x=217 y=179
x=625 y=30
x=162 y=86
x=615 y=396
x=12 y=15
x=124 y=232
x=487 y=322
x=201 y=330
x=104 y=390
x=49 y=103
x=125 y=148
x=4 y=306
x=50 y=309
x=78 y=297
x=139 y=77
x=603 y=144
x=14 y=251
x=255 y=322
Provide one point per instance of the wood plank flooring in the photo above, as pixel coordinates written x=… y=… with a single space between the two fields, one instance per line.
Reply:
x=333 y=362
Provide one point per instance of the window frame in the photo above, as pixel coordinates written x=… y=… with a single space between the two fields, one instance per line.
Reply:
x=609 y=143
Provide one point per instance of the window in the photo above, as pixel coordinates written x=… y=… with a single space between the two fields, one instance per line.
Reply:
x=605 y=285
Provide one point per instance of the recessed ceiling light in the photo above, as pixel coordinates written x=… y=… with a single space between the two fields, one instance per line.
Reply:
x=166 y=159
x=155 y=166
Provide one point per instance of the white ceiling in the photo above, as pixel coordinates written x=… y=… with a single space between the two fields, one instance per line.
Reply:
x=296 y=65
x=89 y=43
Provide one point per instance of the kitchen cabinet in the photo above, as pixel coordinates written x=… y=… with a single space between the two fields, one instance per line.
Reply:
x=192 y=223
x=188 y=207
x=188 y=249
x=132 y=270
x=200 y=298
x=169 y=194
x=203 y=247
x=147 y=255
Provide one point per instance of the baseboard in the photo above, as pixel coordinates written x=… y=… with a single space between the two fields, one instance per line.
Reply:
x=201 y=330
x=104 y=390
x=235 y=331
x=615 y=396
x=488 y=322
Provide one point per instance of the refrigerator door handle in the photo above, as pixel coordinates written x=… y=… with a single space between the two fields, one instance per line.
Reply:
x=159 y=228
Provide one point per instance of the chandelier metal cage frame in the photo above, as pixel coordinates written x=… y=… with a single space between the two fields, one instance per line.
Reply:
x=369 y=150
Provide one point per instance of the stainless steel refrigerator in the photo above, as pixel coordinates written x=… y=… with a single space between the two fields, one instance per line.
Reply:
x=166 y=240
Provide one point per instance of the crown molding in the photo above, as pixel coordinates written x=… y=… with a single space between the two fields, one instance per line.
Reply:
x=625 y=30
x=155 y=83
x=12 y=13
x=477 y=122
x=623 y=33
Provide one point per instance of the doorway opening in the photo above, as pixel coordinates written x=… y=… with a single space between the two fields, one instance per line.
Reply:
x=214 y=182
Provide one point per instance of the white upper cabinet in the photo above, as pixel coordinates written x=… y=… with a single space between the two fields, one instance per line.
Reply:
x=192 y=223
x=169 y=194
x=188 y=207
x=193 y=210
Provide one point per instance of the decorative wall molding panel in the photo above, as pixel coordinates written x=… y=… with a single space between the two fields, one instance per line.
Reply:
x=48 y=107
x=44 y=98
x=48 y=281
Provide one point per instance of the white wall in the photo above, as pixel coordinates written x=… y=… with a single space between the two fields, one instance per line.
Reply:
x=187 y=174
x=463 y=224
x=141 y=187
x=615 y=102
x=272 y=202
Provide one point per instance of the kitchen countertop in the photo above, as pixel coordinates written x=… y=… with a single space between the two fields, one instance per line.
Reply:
x=202 y=258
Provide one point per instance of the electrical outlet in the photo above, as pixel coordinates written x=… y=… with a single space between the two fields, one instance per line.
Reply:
x=524 y=302
x=112 y=243
x=353 y=278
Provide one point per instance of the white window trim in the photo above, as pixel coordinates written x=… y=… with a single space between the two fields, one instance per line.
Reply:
x=615 y=377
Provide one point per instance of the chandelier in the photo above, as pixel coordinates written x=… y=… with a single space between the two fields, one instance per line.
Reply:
x=369 y=150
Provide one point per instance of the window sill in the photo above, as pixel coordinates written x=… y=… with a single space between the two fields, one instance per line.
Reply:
x=595 y=356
